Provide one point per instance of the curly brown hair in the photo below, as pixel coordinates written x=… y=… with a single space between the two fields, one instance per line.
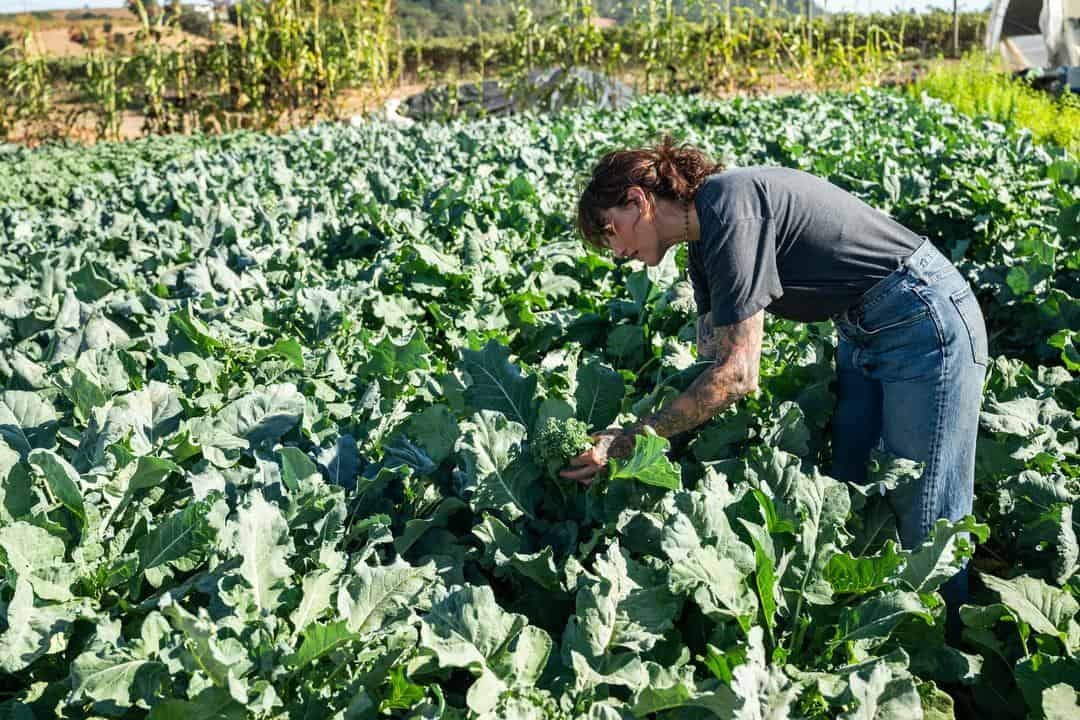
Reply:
x=666 y=170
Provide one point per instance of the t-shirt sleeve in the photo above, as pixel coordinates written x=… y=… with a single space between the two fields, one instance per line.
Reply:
x=739 y=263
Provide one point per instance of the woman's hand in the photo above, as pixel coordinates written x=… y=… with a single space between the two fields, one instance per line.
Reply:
x=607 y=443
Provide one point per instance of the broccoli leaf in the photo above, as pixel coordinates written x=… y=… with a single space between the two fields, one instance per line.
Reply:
x=648 y=464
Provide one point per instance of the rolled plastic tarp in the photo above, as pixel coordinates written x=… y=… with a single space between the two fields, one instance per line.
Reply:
x=1052 y=26
x=993 y=26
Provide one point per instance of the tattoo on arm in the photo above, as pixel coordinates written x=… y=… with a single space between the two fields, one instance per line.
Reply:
x=736 y=354
x=705 y=337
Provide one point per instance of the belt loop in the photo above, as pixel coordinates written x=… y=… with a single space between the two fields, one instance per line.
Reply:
x=920 y=260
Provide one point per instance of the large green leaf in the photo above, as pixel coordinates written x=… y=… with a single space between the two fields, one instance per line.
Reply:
x=941 y=555
x=626 y=605
x=320 y=640
x=599 y=395
x=391 y=360
x=295 y=467
x=882 y=695
x=501 y=554
x=374 y=597
x=696 y=519
x=62 y=479
x=816 y=506
x=263 y=415
x=498 y=474
x=215 y=655
x=435 y=430
x=194 y=330
x=1060 y=702
x=861 y=575
x=498 y=385
x=1067 y=561
x=469 y=630
x=27 y=420
x=116 y=677
x=38 y=557
x=142 y=419
x=185 y=533
x=317 y=589
x=212 y=704
x=762 y=691
x=649 y=464
x=669 y=689
x=1040 y=673
x=1045 y=608
x=260 y=537
x=34 y=630
x=716 y=585
x=871 y=622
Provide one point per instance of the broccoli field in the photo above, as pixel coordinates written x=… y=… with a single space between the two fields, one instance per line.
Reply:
x=270 y=419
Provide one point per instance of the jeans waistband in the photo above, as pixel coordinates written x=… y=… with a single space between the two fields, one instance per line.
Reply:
x=925 y=264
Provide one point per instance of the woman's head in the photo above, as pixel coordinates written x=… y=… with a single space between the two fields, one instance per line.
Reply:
x=636 y=200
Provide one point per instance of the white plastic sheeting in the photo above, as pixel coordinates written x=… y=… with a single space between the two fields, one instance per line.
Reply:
x=1058 y=23
x=1051 y=23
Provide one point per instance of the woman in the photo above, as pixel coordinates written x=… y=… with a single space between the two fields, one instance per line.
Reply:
x=912 y=349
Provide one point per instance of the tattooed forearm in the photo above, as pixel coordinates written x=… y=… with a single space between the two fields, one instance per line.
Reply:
x=705 y=335
x=736 y=354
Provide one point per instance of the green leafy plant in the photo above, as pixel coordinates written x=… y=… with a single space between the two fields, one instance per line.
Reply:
x=981 y=87
x=647 y=464
x=268 y=406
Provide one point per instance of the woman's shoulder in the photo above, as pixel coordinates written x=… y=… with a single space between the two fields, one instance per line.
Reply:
x=736 y=188
x=749 y=174
x=734 y=193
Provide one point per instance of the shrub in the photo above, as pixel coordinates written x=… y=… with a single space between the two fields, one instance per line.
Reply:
x=196 y=23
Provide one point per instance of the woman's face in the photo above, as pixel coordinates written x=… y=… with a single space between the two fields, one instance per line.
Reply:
x=631 y=230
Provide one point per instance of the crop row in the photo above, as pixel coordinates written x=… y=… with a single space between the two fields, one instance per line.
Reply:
x=283 y=63
x=268 y=404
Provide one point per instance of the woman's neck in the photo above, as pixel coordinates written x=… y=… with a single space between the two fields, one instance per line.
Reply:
x=677 y=222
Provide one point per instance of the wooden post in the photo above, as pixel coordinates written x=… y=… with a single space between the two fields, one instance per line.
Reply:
x=955 y=29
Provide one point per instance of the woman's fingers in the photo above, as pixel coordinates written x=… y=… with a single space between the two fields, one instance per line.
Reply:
x=586 y=458
x=585 y=466
x=582 y=474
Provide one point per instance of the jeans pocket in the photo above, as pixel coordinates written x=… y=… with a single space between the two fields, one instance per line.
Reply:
x=901 y=308
x=877 y=328
x=971 y=315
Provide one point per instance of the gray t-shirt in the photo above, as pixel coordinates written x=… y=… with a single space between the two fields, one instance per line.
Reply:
x=789 y=242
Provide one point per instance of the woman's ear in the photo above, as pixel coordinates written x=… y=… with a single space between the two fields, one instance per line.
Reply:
x=642 y=199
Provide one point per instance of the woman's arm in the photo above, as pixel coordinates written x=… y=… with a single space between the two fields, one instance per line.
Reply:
x=736 y=354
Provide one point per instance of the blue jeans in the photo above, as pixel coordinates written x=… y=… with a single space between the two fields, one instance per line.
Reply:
x=910 y=367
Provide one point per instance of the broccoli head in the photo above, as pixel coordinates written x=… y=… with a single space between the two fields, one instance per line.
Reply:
x=559 y=440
